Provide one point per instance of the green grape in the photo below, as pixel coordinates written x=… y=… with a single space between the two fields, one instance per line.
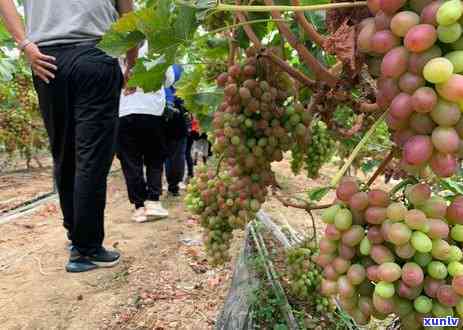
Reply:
x=449 y=34
x=456 y=58
x=319 y=151
x=438 y=70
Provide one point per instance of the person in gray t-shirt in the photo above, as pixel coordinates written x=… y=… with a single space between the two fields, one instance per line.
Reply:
x=79 y=88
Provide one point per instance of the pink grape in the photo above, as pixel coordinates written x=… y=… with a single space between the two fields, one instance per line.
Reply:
x=374 y=235
x=378 y=197
x=391 y=6
x=444 y=165
x=395 y=62
x=418 y=150
x=412 y=274
x=410 y=82
x=424 y=100
x=452 y=89
x=446 y=113
x=438 y=229
x=445 y=139
x=384 y=41
x=401 y=106
x=420 y=38
x=428 y=14
x=455 y=211
x=375 y=215
x=404 y=21
x=418 y=194
x=389 y=88
x=359 y=201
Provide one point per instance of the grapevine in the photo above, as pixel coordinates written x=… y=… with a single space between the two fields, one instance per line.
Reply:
x=21 y=129
x=386 y=87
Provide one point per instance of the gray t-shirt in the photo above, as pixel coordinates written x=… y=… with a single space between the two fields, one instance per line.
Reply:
x=53 y=22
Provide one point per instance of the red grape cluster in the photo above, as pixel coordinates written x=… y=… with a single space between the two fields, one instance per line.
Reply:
x=252 y=129
x=382 y=257
x=417 y=47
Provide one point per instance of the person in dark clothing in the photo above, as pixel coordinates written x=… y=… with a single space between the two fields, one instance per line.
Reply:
x=78 y=87
x=177 y=136
x=177 y=127
x=142 y=144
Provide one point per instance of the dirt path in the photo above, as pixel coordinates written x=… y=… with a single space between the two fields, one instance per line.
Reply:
x=161 y=283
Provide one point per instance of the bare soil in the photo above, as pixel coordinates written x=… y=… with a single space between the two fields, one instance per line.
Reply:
x=163 y=281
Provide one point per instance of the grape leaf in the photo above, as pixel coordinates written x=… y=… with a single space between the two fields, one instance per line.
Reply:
x=316 y=194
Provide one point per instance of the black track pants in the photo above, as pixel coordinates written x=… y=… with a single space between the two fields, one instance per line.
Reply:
x=141 y=143
x=80 y=110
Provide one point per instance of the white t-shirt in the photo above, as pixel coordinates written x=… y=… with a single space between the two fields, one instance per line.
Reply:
x=143 y=103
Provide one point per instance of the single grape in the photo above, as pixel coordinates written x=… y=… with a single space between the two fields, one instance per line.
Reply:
x=438 y=70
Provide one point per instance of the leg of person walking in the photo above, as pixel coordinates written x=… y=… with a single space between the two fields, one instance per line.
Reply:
x=80 y=110
x=188 y=157
x=96 y=115
x=130 y=154
x=175 y=165
x=55 y=107
x=155 y=154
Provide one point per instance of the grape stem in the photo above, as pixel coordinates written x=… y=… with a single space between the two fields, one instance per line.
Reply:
x=381 y=168
x=357 y=149
x=228 y=27
x=314 y=227
x=303 y=206
x=271 y=7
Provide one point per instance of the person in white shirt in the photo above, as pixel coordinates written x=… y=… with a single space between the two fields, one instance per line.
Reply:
x=142 y=145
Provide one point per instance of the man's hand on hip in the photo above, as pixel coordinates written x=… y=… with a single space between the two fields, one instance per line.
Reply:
x=42 y=65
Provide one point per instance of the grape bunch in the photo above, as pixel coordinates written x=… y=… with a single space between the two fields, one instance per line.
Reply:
x=382 y=257
x=304 y=278
x=21 y=128
x=417 y=49
x=319 y=151
x=252 y=129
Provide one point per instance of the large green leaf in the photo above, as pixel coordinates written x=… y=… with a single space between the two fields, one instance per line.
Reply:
x=149 y=74
x=117 y=43
x=185 y=24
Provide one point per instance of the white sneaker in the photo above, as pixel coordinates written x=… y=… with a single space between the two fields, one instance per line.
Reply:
x=154 y=210
x=139 y=215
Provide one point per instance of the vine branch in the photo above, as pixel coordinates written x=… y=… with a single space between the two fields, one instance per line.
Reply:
x=308 y=27
x=381 y=168
x=272 y=7
x=296 y=74
x=320 y=71
x=302 y=206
